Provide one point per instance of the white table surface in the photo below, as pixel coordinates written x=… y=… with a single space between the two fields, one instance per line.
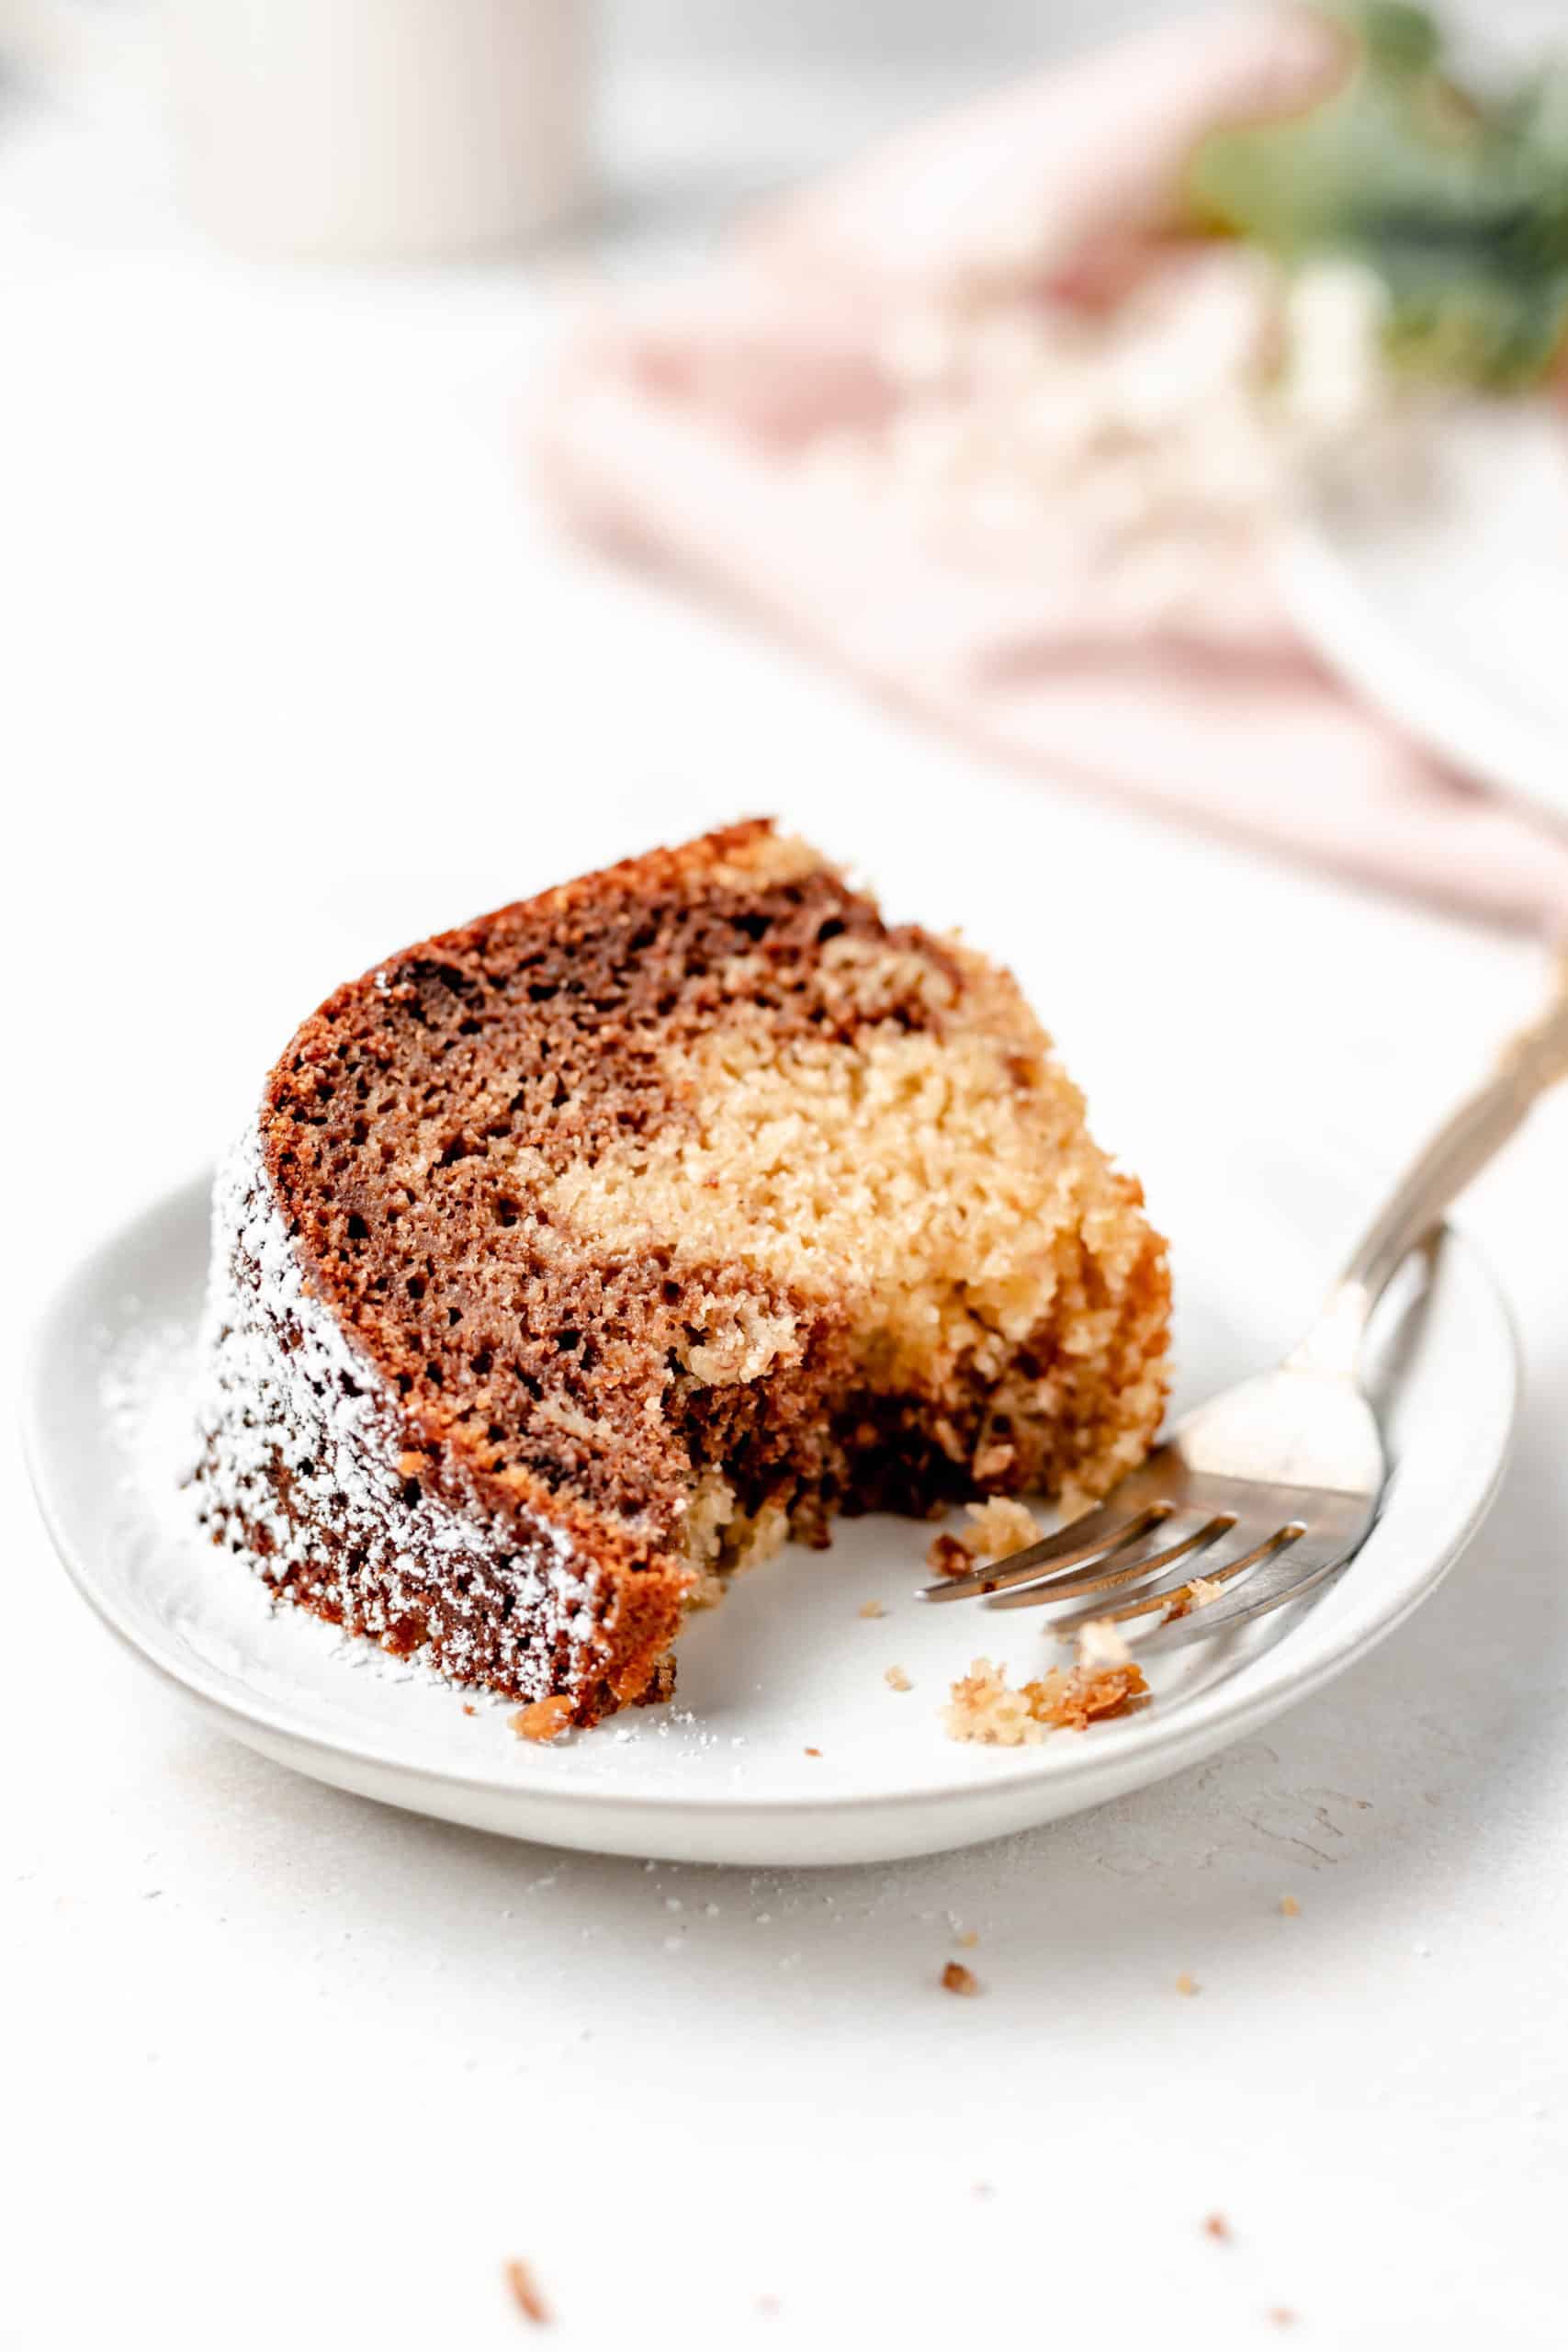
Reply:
x=292 y=671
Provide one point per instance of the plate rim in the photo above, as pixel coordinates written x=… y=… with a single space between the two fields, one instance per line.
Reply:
x=1328 y=597
x=1155 y=1739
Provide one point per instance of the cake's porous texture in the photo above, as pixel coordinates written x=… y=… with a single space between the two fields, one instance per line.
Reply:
x=985 y=1707
x=579 y=1256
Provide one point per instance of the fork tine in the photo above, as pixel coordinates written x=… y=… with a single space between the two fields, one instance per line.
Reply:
x=1106 y=1576
x=1169 y=1589
x=1103 y=1531
x=1300 y=1568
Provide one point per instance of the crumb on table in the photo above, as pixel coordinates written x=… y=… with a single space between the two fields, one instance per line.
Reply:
x=526 y=2294
x=985 y=1707
x=813 y=1751
x=872 y=1609
x=1187 y=1984
x=956 y=1978
x=1289 y=1906
x=546 y=1719
x=1216 y=2226
x=896 y=1679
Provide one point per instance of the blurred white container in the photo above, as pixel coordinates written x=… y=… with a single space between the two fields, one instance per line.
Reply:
x=380 y=130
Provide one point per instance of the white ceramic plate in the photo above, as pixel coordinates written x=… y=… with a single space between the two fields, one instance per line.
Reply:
x=786 y=1666
x=1448 y=607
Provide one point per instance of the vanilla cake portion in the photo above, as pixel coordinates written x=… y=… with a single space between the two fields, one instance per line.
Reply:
x=579 y=1256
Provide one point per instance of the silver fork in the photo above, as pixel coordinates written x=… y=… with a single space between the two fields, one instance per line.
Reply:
x=1272 y=1486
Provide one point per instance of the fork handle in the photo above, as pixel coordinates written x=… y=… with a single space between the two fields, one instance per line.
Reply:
x=1461 y=1147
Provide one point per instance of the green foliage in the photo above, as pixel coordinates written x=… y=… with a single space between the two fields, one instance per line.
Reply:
x=1455 y=199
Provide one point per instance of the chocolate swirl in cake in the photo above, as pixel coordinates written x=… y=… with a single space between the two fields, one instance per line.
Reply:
x=581 y=1255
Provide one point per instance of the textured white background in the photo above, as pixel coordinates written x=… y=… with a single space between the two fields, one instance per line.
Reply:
x=290 y=672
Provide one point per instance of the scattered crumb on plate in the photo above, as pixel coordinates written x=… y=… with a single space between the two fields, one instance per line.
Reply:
x=946 y=1557
x=814 y=1751
x=1216 y=2226
x=896 y=1679
x=1002 y=1525
x=546 y=1719
x=1282 y=2317
x=968 y=1939
x=1100 y=1645
x=872 y=1609
x=985 y=1707
x=1289 y=1906
x=956 y=1978
x=524 y=2294
x=1187 y=1984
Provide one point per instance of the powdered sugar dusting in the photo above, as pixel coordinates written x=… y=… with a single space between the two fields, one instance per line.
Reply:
x=143 y=1385
x=300 y=1443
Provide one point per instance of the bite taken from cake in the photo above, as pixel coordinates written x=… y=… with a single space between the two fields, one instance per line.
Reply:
x=577 y=1258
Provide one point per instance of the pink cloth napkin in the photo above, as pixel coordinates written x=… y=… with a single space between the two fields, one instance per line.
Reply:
x=676 y=428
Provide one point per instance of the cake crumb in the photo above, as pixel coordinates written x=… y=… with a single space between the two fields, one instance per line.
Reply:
x=1072 y=1702
x=1289 y=1906
x=896 y=1679
x=872 y=1609
x=1216 y=2226
x=469 y=1711
x=993 y=1459
x=946 y=1557
x=1100 y=1645
x=1187 y=1984
x=526 y=2294
x=956 y=1978
x=814 y=1751
x=968 y=1939
x=984 y=1706
x=544 y=1720
x=1196 y=1593
x=1280 y=2317
x=1002 y=1525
